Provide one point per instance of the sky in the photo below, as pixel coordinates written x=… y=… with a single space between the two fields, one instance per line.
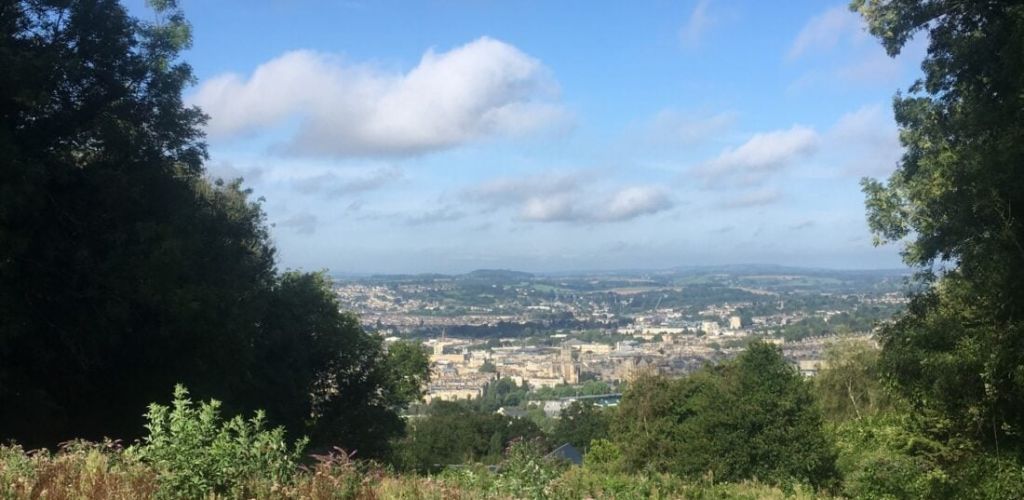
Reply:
x=452 y=135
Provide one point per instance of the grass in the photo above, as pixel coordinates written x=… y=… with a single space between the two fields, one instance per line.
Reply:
x=82 y=470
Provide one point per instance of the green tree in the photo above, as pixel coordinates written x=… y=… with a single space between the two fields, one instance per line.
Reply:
x=125 y=270
x=766 y=423
x=122 y=269
x=850 y=385
x=409 y=371
x=957 y=352
x=754 y=417
x=580 y=423
x=501 y=392
x=646 y=422
x=455 y=433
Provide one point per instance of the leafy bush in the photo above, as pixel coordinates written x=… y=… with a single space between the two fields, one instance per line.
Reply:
x=604 y=456
x=195 y=452
x=881 y=457
x=985 y=476
x=525 y=473
x=587 y=482
x=888 y=456
x=752 y=418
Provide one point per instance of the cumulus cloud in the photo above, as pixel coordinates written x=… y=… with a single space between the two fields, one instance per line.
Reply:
x=826 y=30
x=560 y=207
x=569 y=197
x=635 y=201
x=762 y=154
x=485 y=88
x=697 y=24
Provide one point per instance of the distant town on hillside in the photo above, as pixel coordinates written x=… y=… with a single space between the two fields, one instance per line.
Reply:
x=557 y=331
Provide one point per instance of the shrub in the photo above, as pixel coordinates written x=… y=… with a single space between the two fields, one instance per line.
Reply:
x=881 y=457
x=985 y=476
x=752 y=418
x=79 y=470
x=604 y=456
x=195 y=452
x=335 y=476
x=525 y=473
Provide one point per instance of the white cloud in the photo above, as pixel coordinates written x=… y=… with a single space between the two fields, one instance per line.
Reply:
x=549 y=209
x=697 y=24
x=762 y=154
x=635 y=201
x=824 y=31
x=569 y=197
x=485 y=88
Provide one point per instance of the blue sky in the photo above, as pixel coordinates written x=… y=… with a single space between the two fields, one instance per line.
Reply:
x=453 y=135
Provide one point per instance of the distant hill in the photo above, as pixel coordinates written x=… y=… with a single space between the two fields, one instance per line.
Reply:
x=733 y=270
x=497 y=275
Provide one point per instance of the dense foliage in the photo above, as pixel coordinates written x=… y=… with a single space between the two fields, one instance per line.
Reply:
x=580 y=423
x=124 y=270
x=849 y=386
x=754 y=417
x=958 y=354
x=196 y=452
x=454 y=433
x=101 y=472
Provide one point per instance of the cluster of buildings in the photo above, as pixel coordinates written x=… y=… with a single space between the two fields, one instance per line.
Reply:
x=461 y=370
x=663 y=340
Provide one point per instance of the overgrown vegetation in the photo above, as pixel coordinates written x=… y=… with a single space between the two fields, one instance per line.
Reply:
x=125 y=270
x=752 y=418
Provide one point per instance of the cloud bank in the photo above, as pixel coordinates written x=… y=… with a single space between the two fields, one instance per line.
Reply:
x=569 y=197
x=762 y=154
x=485 y=88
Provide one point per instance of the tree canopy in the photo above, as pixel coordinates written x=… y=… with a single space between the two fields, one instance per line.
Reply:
x=953 y=199
x=124 y=269
x=753 y=417
x=458 y=433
